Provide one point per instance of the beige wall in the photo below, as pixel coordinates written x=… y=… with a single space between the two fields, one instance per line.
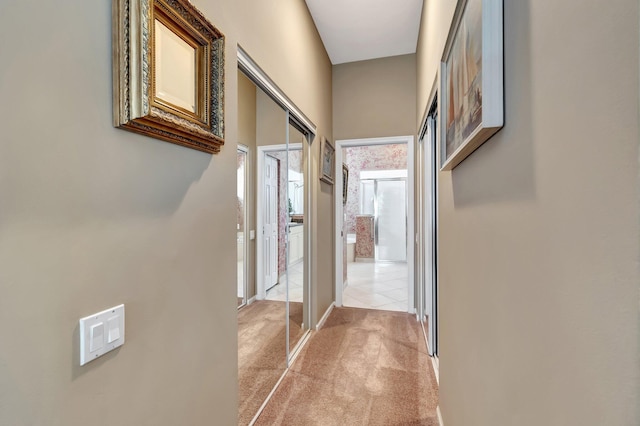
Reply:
x=92 y=216
x=539 y=235
x=375 y=98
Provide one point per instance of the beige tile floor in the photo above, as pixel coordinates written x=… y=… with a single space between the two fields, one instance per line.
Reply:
x=377 y=285
x=279 y=291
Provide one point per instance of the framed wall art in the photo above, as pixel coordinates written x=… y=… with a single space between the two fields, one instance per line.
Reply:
x=471 y=79
x=345 y=184
x=327 y=161
x=168 y=73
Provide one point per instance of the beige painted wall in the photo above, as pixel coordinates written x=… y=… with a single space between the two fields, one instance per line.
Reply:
x=375 y=98
x=539 y=227
x=92 y=216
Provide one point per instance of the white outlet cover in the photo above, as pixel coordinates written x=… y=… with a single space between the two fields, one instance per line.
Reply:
x=107 y=326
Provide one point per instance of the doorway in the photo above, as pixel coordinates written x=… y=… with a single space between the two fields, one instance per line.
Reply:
x=374 y=253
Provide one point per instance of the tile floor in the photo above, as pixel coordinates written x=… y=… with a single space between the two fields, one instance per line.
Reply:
x=278 y=292
x=377 y=285
x=370 y=285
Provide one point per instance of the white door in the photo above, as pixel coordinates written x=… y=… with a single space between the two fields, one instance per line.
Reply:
x=270 y=221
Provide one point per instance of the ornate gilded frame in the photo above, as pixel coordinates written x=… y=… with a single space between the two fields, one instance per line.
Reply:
x=137 y=105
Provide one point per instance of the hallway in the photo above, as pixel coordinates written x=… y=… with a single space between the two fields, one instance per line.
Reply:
x=363 y=367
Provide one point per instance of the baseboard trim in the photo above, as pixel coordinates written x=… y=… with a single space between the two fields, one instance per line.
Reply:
x=250 y=301
x=435 y=362
x=294 y=356
x=325 y=316
x=440 y=421
x=266 y=401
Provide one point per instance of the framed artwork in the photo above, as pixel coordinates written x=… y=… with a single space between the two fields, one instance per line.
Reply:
x=345 y=184
x=471 y=79
x=168 y=73
x=327 y=160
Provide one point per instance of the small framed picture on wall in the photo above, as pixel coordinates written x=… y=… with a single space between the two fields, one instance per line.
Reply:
x=345 y=184
x=327 y=161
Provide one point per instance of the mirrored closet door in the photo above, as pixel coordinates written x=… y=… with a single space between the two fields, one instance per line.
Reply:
x=275 y=319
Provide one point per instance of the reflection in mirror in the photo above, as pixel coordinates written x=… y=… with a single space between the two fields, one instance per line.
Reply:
x=275 y=319
x=295 y=219
x=262 y=325
x=290 y=264
x=240 y=224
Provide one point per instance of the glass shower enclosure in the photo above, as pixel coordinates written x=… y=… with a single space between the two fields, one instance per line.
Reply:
x=386 y=200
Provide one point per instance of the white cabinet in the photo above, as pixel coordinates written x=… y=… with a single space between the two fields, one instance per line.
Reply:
x=296 y=243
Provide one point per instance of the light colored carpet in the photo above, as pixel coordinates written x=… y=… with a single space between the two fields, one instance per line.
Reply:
x=364 y=367
x=262 y=351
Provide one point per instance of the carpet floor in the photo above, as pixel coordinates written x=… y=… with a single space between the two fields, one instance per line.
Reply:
x=262 y=351
x=364 y=367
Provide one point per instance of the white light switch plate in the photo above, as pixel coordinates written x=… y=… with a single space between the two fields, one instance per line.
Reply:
x=252 y=234
x=101 y=333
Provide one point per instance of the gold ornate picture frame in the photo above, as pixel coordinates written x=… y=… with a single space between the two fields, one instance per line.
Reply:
x=168 y=73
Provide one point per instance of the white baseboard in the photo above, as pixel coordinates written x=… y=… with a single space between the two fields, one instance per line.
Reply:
x=325 y=316
x=435 y=362
x=250 y=301
x=439 y=416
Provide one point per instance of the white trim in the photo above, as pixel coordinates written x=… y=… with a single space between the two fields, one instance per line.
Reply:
x=298 y=348
x=260 y=78
x=250 y=301
x=261 y=293
x=436 y=366
x=268 y=398
x=325 y=316
x=339 y=213
x=440 y=421
x=435 y=362
x=295 y=354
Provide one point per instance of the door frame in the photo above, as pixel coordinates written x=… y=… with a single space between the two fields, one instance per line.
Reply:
x=261 y=292
x=338 y=212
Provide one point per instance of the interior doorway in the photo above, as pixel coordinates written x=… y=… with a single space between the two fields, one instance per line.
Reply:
x=374 y=222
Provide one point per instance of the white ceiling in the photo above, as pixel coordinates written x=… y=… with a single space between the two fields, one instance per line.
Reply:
x=356 y=30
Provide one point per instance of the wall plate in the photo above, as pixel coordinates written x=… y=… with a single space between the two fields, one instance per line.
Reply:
x=101 y=333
